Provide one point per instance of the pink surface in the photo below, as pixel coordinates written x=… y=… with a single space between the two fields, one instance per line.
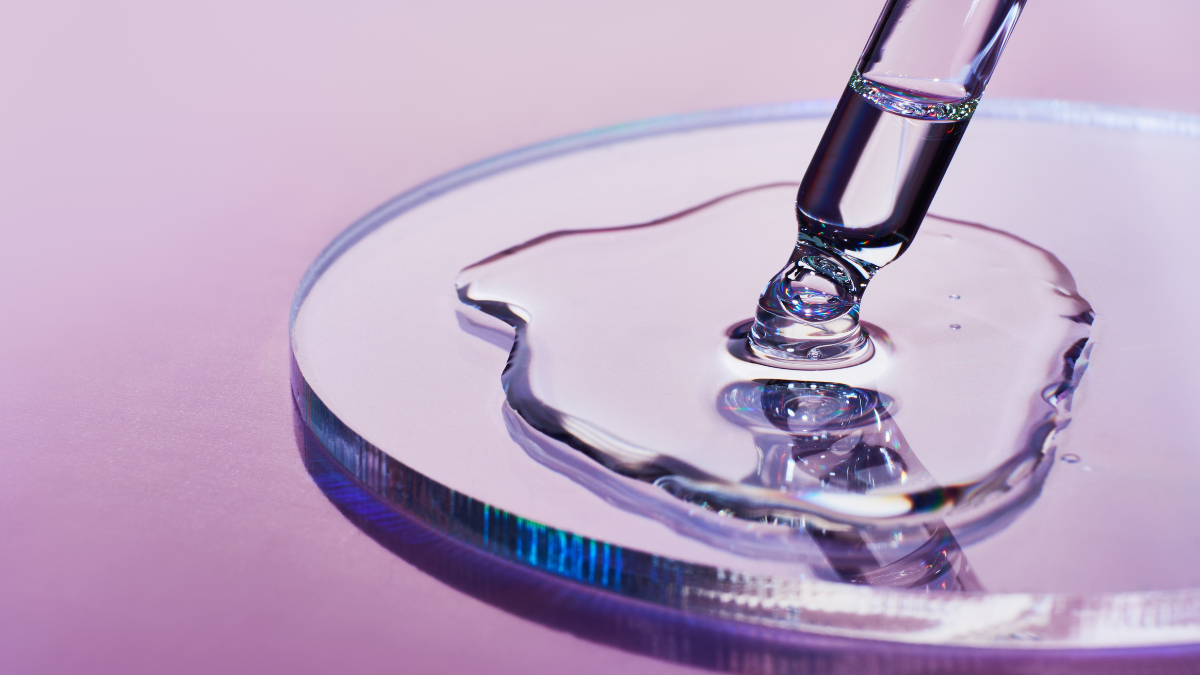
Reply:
x=168 y=173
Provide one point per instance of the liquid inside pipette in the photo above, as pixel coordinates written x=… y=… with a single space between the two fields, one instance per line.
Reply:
x=859 y=207
x=874 y=174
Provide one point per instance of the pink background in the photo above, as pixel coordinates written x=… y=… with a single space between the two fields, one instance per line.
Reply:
x=168 y=171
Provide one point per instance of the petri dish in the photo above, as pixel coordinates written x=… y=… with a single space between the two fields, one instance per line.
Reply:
x=402 y=418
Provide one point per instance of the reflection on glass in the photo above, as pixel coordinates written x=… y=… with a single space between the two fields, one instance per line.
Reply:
x=840 y=438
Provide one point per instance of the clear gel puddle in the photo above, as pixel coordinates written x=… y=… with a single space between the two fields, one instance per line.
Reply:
x=624 y=376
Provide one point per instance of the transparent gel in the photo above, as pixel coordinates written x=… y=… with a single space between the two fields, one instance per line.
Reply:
x=940 y=432
x=832 y=462
x=1060 y=470
x=823 y=456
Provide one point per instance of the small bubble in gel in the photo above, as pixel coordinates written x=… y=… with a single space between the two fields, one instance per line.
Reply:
x=1070 y=458
x=955 y=296
x=955 y=326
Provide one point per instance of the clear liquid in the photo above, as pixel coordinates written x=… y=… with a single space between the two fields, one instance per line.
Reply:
x=622 y=376
x=859 y=207
x=873 y=176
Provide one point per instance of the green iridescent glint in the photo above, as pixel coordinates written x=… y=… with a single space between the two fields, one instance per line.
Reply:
x=894 y=102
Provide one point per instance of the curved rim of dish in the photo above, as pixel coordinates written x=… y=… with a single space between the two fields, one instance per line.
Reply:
x=1043 y=621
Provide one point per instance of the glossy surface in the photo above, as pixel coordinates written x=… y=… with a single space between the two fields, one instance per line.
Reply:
x=356 y=349
x=579 y=305
x=169 y=173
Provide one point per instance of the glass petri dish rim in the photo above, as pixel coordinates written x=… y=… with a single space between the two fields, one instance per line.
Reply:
x=1020 y=621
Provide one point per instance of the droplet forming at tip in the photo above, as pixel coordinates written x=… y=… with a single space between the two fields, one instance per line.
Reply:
x=861 y=203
